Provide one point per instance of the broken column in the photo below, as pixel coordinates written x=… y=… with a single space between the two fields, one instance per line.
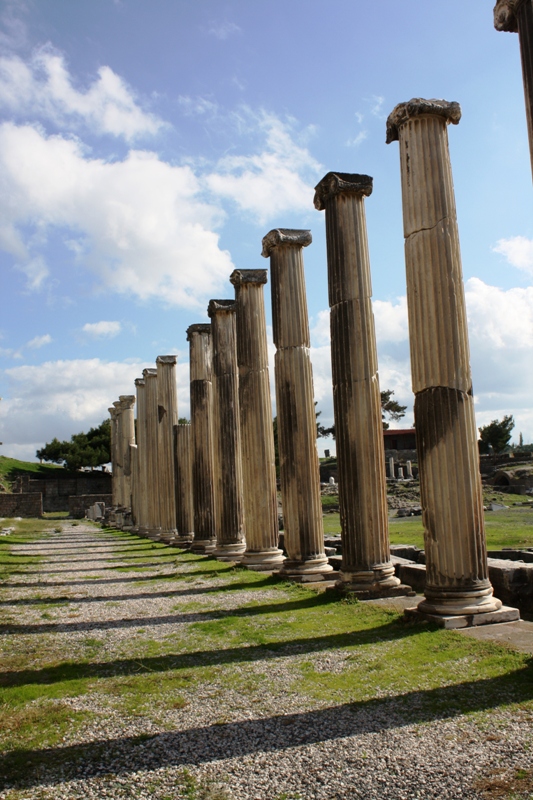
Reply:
x=457 y=581
x=183 y=471
x=167 y=416
x=153 y=522
x=227 y=432
x=142 y=475
x=366 y=567
x=516 y=16
x=203 y=471
x=258 y=459
x=298 y=455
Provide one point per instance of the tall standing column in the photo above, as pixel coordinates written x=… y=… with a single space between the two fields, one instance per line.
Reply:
x=450 y=482
x=203 y=466
x=119 y=454
x=142 y=474
x=134 y=487
x=229 y=488
x=366 y=565
x=258 y=459
x=183 y=470
x=114 y=467
x=298 y=455
x=152 y=461
x=516 y=16
x=127 y=430
x=167 y=418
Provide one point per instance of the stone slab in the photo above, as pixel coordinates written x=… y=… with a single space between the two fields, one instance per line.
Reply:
x=504 y=614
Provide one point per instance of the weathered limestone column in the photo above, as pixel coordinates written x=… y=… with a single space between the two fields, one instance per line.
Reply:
x=516 y=16
x=366 y=565
x=298 y=455
x=450 y=482
x=119 y=454
x=114 y=467
x=183 y=472
x=142 y=479
x=127 y=432
x=258 y=459
x=153 y=522
x=134 y=487
x=203 y=465
x=167 y=400
x=227 y=432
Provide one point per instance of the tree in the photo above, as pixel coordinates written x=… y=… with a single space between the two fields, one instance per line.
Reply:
x=496 y=435
x=91 y=449
x=389 y=407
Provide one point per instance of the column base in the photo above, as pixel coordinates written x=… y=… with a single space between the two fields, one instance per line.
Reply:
x=168 y=537
x=263 y=560
x=373 y=583
x=203 y=546
x=230 y=552
x=142 y=531
x=154 y=534
x=183 y=540
x=451 y=621
x=443 y=603
x=312 y=569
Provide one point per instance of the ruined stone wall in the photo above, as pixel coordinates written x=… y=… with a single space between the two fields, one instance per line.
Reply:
x=78 y=504
x=21 y=505
x=56 y=491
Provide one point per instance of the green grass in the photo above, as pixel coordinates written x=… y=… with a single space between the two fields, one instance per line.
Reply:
x=11 y=468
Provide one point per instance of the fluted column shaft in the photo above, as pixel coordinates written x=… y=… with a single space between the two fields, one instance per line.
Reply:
x=298 y=455
x=258 y=459
x=167 y=400
x=366 y=565
x=227 y=432
x=450 y=482
x=184 y=497
x=114 y=447
x=203 y=465
x=516 y=16
x=119 y=454
x=127 y=433
x=134 y=486
x=152 y=461
x=142 y=474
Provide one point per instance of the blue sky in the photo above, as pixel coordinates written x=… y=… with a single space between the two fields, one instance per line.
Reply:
x=146 y=149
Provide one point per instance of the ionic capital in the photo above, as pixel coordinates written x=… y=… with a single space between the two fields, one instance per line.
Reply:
x=226 y=306
x=139 y=382
x=335 y=183
x=418 y=107
x=127 y=401
x=505 y=15
x=149 y=373
x=198 y=327
x=240 y=276
x=285 y=236
x=166 y=360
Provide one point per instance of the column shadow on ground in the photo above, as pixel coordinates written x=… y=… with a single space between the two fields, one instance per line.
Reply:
x=273 y=734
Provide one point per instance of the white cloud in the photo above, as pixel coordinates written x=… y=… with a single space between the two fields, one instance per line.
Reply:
x=140 y=224
x=359 y=139
x=43 y=88
x=498 y=319
x=518 y=250
x=223 y=30
x=103 y=328
x=391 y=320
x=59 y=398
x=39 y=341
x=376 y=105
x=274 y=181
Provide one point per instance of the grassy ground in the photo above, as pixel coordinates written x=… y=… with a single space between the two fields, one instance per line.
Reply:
x=11 y=468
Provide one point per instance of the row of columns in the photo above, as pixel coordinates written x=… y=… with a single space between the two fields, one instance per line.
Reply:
x=225 y=462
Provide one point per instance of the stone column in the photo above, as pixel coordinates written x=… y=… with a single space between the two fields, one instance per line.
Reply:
x=366 y=565
x=167 y=399
x=127 y=430
x=392 y=471
x=134 y=487
x=227 y=432
x=153 y=521
x=516 y=16
x=298 y=455
x=142 y=479
x=446 y=434
x=258 y=459
x=183 y=471
x=119 y=454
x=203 y=466
x=114 y=466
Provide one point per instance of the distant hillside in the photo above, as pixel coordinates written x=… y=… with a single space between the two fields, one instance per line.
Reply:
x=10 y=468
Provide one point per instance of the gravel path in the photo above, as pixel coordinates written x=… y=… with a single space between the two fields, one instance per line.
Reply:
x=217 y=742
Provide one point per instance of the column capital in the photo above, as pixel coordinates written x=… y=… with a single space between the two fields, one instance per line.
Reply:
x=139 y=382
x=221 y=305
x=505 y=18
x=418 y=107
x=127 y=401
x=285 y=236
x=240 y=276
x=149 y=373
x=116 y=403
x=113 y=412
x=166 y=360
x=335 y=183
x=198 y=327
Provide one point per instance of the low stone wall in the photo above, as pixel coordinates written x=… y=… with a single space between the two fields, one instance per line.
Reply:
x=78 y=504
x=21 y=505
